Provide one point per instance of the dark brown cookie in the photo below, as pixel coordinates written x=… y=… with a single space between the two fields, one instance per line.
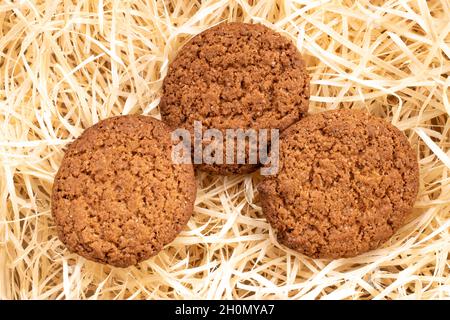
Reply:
x=117 y=197
x=232 y=76
x=346 y=182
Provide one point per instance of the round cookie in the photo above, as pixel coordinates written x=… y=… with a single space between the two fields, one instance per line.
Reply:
x=232 y=76
x=117 y=197
x=345 y=184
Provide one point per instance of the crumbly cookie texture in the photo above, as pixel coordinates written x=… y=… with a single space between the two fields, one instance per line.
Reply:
x=346 y=182
x=117 y=197
x=236 y=75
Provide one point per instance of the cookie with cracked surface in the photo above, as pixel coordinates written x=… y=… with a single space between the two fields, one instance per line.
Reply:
x=236 y=76
x=117 y=197
x=345 y=184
